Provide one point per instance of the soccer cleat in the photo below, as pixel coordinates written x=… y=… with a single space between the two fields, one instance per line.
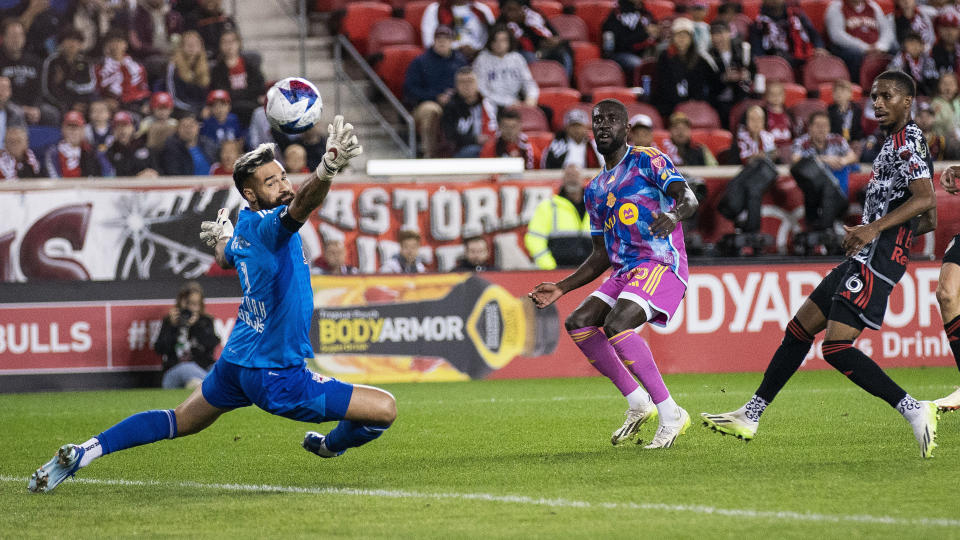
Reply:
x=667 y=434
x=949 y=403
x=316 y=443
x=926 y=429
x=62 y=466
x=731 y=423
x=631 y=426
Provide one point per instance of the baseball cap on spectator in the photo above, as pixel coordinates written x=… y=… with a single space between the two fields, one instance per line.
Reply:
x=74 y=118
x=122 y=117
x=679 y=118
x=443 y=30
x=161 y=100
x=575 y=116
x=641 y=120
x=682 y=24
x=949 y=18
x=217 y=95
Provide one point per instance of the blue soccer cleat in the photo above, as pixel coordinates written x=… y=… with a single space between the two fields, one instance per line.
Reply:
x=62 y=466
x=316 y=443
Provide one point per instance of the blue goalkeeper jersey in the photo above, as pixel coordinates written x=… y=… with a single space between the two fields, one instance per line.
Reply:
x=273 y=322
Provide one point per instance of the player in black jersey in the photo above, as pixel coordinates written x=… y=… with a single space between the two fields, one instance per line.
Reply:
x=948 y=290
x=900 y=203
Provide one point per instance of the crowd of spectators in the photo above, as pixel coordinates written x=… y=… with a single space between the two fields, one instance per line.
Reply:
x=130 y=88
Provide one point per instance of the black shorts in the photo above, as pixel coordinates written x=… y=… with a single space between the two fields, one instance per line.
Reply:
x=851 y=294
x=952 y=255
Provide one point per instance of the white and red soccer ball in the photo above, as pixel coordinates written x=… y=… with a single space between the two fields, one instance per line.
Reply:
x=293 y=105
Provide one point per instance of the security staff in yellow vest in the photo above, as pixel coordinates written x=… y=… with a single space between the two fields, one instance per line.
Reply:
x=559 y=231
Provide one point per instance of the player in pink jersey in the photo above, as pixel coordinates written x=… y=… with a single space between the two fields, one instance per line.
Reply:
x=635 y=207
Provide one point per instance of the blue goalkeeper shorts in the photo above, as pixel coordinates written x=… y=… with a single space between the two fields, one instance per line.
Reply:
x=295 y=392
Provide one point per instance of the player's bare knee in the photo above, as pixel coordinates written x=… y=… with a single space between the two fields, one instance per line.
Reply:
x=947 y=294
x=385 y=409
x=576 y=321
x=614 y=324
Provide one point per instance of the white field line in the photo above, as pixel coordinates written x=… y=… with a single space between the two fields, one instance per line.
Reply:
x=746 y=513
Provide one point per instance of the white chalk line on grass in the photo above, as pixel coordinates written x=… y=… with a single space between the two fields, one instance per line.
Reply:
x=530 y=501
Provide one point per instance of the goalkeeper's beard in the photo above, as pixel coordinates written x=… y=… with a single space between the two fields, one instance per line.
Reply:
x=284 y=199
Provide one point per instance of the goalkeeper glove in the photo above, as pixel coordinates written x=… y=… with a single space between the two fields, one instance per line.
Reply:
x=342 y=146
x=212 y=232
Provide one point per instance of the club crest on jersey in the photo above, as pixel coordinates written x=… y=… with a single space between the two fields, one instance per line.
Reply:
x=628 y=214
x=611 y=200
x=659 y=162
x=905 y=153
x=854 y=284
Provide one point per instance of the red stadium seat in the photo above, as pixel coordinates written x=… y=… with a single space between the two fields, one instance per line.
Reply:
x=713 y=7
x=391 y=32
x=393 y=67
x=326 y=6
x=583 y=53
x=599 y=72
x=816 y=11
x=359 y=20
x=793 y=94
x=751 y=8
x=660 y=136
x=717 y=140
x=660 y=9
x=532 y=118
x=549 y=74
x=570 y=27
x=873 y=65
x=413 y=14
x=594 y=13
x=560 y=100
x=634 y=109
x=801 y=111
x=775 y=68
x=821 y=69
x=540 y=139
x=826 y=92
x=700 y=113
x=494 y=6
x=547 y=8
x=738 y=110
x=620 y=93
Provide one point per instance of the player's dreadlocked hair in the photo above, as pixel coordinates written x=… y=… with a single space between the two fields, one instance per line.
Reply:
x=904 y=82
x=248 y=163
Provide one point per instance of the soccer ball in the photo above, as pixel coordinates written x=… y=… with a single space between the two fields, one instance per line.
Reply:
x=293 y=105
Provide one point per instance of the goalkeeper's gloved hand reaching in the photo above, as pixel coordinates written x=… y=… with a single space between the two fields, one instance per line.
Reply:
x=212 y=232
x=342 y=146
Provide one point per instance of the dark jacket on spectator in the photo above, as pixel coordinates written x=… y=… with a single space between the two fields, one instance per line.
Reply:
x=175 y=158
x=210 y=26
x=130 y=159
x=24 y=77
x=245 y=85
x=462 y=123
x=725 y=94
x=186 y=96
x=202 y=337
x=946 y=58
x=789 y=34
x=66 y=83
x=430 y=75
x=556 y=154
x=677 y=81
x=848 y=124
x=142 y=31
x=12 y=169
x=625 y=30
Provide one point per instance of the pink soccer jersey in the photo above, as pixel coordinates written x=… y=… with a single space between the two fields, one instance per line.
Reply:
x=621 y=202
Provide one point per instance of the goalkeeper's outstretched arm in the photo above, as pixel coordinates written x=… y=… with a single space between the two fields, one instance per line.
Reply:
x=342 y=146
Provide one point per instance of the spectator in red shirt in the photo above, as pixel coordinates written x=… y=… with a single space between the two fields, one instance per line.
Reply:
x=753 y=140
x=17 y=160
x=856 y=28
x=73 y=157
x=779 y=122
x=120 y=77
x=239 y=74
x=510 y=141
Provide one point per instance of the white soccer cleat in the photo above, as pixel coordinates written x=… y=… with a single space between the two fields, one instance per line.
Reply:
x=949 y=403
x=667 y=434
x=631 y=426
x=732 y=423
x=925 y=430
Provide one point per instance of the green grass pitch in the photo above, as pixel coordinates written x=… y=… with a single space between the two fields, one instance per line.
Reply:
x=501 y=459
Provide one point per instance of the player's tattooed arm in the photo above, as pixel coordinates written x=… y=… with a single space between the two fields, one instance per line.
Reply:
x=547 y=293
x=922 y=200
x=685 y=206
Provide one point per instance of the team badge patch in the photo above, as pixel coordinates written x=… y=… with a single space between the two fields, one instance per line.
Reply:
x=659 y=162
x=854 y=284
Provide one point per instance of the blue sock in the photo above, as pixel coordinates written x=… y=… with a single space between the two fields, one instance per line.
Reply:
x=349 y=434
x=142 y=428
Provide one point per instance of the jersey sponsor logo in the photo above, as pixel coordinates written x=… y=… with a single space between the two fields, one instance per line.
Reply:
x=628 y=213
